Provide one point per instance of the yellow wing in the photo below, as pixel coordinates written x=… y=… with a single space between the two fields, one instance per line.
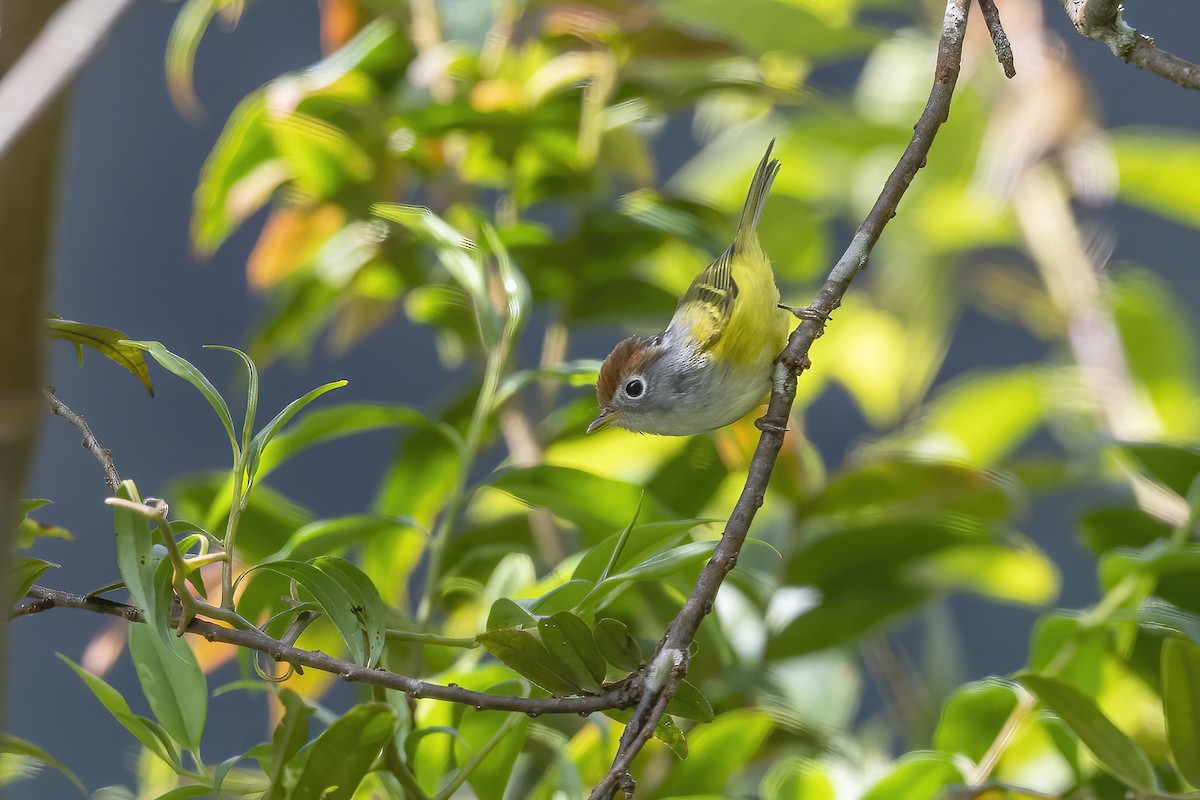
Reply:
x=705 y=309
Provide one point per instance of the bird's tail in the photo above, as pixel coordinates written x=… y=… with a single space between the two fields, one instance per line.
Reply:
x=747 y=230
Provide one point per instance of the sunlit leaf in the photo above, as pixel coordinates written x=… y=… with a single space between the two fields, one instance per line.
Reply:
x=917 y=776
x=366 y=604
x=1159 y=170
x=260 y=441
x=344 y=611
x=1016 y=575
x=973 y=716
x=30 y=530
x=1115 y=752
x=1172 y=466
x=112 y=344
x=1181 y=704
x=717 y=751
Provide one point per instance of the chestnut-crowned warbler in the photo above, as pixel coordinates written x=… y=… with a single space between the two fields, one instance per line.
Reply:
x=714 y=362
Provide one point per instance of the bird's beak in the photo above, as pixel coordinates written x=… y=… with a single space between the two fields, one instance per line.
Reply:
x=606 y=418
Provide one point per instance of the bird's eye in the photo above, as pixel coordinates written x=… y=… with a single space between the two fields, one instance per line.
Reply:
x=635 y=388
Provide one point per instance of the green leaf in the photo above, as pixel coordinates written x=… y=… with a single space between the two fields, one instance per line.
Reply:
x=340 y=757
x=797 y=777
x=184 y=792
x=476 y=730
x=564 y=597
x=367 y=606
x=506 y=613
x=172 y=682
x=25 y=572
x=972 y=717
x=12 y=745
x=251 y=389
x=717 y=751
x=1115 y=752
x=1105 y=529
x=1173 y=467
x=571 y=494
x=525 y=653
x=289 y=736
x=29 y=530
x=897 y=485
x=260 y=441
x=112 y=700
x=581 y=372
x=137 y=563
x=1159 y=615
x=336 y=422
x=631 y=547
x=346 y=612
x=689 y=703
x=183 y=369
x=617 y=644
x=112 y=344
x=917 y=776
x=675 y=561
x=1017 y=575
x=1158 y=172
x=666 y=731
x=337 y=534
x=568 y=639
x=1181 y=705
x=321 y=157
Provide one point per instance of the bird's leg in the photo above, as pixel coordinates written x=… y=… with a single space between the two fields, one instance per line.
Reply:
x=806 y=313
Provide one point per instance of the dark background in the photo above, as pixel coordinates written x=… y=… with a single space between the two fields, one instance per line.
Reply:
x=122 y=259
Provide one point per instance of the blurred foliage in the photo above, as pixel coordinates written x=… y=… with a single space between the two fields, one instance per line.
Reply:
x=503 y=172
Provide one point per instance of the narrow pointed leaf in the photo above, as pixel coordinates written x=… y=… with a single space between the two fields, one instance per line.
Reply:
x=1181 y=705
x=333 y=599
x=25 y=572
x=290 y=735
x=112 y=344
x=178 y=366
x=689 y=703
x=263 y=437
x=172 y=682
x=1116 y=753
x=12 y=744
x=366 y=603
x=137 y=561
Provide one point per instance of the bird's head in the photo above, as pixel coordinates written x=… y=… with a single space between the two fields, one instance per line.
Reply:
x=633 y=386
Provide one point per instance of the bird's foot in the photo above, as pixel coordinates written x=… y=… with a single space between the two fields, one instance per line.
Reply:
x=806 y=313
x=766 y=426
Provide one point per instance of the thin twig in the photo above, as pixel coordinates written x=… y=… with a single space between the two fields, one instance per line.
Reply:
x=104 y=456
x=794 y=359
x=70 y=38
x=1004 y=53
x=1101 y=20
x=623 y=694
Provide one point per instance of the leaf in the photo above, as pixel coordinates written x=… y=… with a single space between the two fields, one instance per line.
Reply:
x=112 y=344
x=689 y=703
x=29 y=530
x=137 y=562
x=336 y=422
x=674 y=561
x=569 y=640
x=172 y=682
x=184 y=792
x=264 y=437
x=1018 y=575
x=896 y=485
x=717 y=751
x=797 y=777
x=1181 y=705
x=321 y=157
x=572 y=494
x=1173 y=467
x=190 y=23
x=1105 y=529
x=112 y=700
x=12 y=745
x=506 y=613
x=346 y=613
x=288 y=737
x=635 y=546
x=525 y=653
x=340 y=757
x=1154 y=167
x=183 y=369
x=476 y=730
x=367 y=606
x=251 y=389
x=917 y=776
x=666 y=731
x=25 y=572
x=1115 y=752
x=972 y=717
x=617 y=644
x=337 y=534
x=1159 y=615
x=580 y=372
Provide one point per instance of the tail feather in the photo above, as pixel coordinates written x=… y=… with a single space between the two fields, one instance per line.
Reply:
x=760 y=186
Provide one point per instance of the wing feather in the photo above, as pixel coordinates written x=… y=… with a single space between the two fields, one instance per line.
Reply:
x=705 y=309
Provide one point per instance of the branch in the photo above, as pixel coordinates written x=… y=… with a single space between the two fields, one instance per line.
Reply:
x=70 y=38
x=623 y=694
x=1101 y=20
x=1004 y=53
x=674 y=647
x=103 y=455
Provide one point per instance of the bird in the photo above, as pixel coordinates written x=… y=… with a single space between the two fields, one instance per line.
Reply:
x=715 y=360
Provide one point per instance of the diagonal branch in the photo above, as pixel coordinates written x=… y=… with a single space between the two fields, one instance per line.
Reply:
x=102 y=454
x=670 y=664
x=620 y=695
x=1102 y=20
